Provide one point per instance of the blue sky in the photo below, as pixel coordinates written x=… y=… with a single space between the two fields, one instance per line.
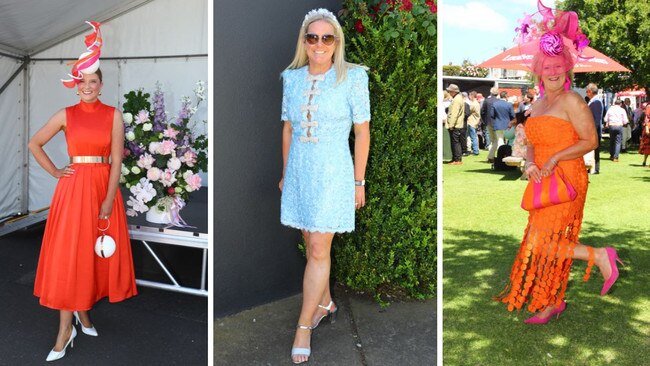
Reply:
x=479 y=29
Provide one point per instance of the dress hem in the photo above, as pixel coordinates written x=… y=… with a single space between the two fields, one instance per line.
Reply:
x=317 y=229
x=120 y=299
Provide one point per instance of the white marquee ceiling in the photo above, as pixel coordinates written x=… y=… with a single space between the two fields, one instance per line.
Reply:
x=31 y=26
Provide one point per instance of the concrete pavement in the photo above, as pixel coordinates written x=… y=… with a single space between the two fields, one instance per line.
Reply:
x=363 y=334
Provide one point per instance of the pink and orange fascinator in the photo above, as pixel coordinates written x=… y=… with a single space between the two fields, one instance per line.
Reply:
x=548 y=34
x=88 y=61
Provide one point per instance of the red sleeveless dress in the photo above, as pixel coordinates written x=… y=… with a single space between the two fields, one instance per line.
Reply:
x=70 y=276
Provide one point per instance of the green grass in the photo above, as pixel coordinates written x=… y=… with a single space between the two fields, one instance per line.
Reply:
x=483 y=225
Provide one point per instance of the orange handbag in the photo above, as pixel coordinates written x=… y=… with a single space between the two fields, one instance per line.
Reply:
x=552 y=190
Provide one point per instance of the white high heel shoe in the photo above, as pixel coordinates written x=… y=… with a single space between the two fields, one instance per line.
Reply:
x=54 y=355
x=89 y=331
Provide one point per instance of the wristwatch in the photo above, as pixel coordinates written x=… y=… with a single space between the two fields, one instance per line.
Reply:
x=360 y=182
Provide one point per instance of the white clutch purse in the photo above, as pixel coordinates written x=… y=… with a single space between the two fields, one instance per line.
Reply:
x=104 y=245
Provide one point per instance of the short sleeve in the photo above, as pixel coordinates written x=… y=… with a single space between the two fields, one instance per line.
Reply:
x=284 y=116
x=359 y=95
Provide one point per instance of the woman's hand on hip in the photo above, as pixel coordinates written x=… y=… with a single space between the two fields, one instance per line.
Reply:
x=359 y=196
x=281 y=184
x=106 y=209
x=64 y=172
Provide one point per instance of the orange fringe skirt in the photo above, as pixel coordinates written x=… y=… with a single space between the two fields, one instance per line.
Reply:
x=540 y=272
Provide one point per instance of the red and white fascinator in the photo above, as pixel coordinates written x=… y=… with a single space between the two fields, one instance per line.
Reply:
x=88 y=61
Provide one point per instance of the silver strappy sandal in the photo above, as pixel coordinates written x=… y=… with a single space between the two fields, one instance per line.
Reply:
x=297 y=351
x=330 y=314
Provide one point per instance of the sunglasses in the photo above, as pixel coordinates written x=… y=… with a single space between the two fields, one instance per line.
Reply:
x=327 y=39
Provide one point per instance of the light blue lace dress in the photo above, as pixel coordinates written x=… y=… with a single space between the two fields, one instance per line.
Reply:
x=318 y=191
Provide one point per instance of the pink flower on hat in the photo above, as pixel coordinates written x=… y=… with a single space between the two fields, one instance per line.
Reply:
x=551 y=44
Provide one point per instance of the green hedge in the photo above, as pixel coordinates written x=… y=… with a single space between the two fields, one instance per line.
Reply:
x=393 y=249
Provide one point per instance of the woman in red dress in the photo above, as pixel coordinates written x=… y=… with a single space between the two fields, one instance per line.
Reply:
x=70 y=277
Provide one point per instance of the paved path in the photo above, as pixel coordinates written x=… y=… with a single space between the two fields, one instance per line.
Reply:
x=363 y=334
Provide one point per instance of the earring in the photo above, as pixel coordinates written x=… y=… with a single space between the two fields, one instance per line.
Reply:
x=567 y=83
x=541 y=89
x=100 y=93
x=77 y=93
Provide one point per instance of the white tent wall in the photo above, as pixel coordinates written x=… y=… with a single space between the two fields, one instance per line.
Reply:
x=172 y=28
x=11 y=138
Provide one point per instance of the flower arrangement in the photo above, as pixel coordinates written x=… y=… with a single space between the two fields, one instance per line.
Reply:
x=162 y=157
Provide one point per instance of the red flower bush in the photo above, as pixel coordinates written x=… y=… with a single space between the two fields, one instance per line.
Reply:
x=358 y=25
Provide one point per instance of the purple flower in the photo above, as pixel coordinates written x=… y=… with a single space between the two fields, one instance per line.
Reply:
x=580 y=42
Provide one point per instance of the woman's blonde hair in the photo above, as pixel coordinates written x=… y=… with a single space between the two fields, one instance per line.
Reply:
x=300 y=58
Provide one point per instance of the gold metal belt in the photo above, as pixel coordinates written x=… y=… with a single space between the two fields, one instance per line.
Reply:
x=88 y=159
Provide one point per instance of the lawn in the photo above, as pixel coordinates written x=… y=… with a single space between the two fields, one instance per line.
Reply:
x=483 y=225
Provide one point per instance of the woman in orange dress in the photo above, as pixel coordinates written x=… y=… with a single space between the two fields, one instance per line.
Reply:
x=70 y=276
x=560 y=130
x=644 y=146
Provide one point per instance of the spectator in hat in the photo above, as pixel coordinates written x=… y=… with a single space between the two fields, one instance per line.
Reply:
x=455 y=123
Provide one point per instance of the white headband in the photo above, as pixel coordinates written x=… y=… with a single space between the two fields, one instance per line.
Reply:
x=319 y=12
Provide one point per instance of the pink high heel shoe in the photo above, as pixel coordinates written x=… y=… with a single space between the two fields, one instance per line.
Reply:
x=612 y=256
x=537 y=320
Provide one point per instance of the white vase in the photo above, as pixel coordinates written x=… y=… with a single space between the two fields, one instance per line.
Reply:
x=156 y=216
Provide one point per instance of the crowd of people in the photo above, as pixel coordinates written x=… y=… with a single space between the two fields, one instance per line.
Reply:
x=476 y=122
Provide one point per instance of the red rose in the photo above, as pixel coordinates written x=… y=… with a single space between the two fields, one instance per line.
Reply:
x=358 y=25
x=432 y=6
x=126 y=152
x=171 y=191
x=407 y=5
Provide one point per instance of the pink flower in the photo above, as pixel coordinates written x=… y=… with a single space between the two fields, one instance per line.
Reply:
x=166 y=147
x=153 y=174
x=167 y=178
x=142 y=117
x=193 y=182
x=189 y=158
x=170 y=133
x=145 y=161
x=125 y=153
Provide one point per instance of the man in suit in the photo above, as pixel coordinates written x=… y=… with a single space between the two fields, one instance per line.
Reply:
x=502 y=114
x=596 y=107
x=486 y=117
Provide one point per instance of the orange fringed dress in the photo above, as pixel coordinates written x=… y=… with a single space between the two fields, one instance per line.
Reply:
x=540 y=272
x=70 y=276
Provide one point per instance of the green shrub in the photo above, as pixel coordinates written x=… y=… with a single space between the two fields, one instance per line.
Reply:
x=393 y=249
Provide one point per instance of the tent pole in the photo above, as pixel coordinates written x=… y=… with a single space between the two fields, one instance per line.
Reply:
x=26 y=61
x=26 y=102
x=194 y=55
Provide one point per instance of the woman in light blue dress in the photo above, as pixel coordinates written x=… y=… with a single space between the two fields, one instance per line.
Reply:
x=323 y=98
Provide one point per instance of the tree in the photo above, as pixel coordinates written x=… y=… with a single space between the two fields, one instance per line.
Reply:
x=465 y=69
x=620 y=29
